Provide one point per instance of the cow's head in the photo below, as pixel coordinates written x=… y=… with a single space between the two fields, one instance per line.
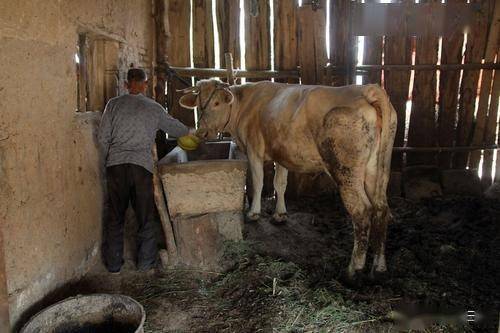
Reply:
x=213 y=99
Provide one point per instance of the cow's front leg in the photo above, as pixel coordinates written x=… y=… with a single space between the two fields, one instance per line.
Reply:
x=280 y=180
x=257 y=171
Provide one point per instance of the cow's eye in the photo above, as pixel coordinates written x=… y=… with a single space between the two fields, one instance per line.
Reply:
x=216 y=103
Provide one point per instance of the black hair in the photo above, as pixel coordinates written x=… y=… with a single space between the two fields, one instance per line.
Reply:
x=136 y=74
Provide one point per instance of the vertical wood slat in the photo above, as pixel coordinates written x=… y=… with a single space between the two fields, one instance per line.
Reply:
x=451 y=53
x=203 y=34
x=285 y=36
x=476 y=41
x=398 y=50
x=422 y=130
x=257 y=34
x=490 y=134
x=341 y=43
x=312 y=43
x=178 y=53
x=485 y=84
x=228 y=25
x=373 y=56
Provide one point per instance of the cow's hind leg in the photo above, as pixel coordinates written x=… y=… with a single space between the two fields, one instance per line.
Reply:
x=280 y=180
x=381 y=218
x=359 y=207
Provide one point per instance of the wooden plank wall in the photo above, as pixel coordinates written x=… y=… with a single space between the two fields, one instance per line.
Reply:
x=442 y=114
x=178 y=53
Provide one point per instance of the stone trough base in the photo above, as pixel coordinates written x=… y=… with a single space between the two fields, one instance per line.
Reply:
x=201 y=238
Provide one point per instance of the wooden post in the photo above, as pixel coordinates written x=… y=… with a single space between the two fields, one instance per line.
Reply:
x=163 y=212
x=4 y=294
x=228 y=57
x=448 y=93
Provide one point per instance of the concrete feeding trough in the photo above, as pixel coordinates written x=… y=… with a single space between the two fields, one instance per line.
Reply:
x=99 y=313
x=205 y=191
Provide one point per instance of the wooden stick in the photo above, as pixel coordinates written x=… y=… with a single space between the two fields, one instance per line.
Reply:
x=163 y=212
x=229 y=67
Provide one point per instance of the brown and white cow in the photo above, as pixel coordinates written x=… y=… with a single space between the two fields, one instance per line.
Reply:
x=347 y=132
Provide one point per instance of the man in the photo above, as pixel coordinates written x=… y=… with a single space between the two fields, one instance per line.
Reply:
x=127 y=134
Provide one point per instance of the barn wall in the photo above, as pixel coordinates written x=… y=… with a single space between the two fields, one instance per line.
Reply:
x=50 y=188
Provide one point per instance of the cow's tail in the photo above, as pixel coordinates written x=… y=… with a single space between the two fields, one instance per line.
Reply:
x=386 y=122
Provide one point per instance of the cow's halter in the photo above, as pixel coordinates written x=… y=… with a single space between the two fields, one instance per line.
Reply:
x=204 y=106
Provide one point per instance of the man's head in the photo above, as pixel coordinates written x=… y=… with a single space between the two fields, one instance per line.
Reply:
x=137 y=81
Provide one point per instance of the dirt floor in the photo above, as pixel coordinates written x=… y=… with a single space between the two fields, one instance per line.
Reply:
x=443 y=259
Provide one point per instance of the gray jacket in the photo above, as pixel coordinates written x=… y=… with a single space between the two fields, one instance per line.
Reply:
x=128 y=129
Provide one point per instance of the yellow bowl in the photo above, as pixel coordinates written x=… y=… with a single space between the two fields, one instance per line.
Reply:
x=188 y=142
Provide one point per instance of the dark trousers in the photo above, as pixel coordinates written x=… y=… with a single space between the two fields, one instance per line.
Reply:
x=130 y=182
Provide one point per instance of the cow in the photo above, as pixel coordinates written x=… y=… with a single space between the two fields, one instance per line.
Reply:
x=347 y=132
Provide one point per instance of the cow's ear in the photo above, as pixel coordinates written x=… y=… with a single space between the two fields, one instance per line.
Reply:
x=228 y=96
x=188 y=101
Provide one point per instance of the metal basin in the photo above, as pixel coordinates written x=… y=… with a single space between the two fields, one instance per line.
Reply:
x=99 y=313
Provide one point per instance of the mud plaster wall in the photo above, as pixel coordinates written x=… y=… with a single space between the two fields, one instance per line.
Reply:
x=50 y=187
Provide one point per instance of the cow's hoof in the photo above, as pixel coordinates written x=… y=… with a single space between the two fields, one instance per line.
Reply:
x=378 y=277
x=279 y=219
x=253 y=217
x=355 y=280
